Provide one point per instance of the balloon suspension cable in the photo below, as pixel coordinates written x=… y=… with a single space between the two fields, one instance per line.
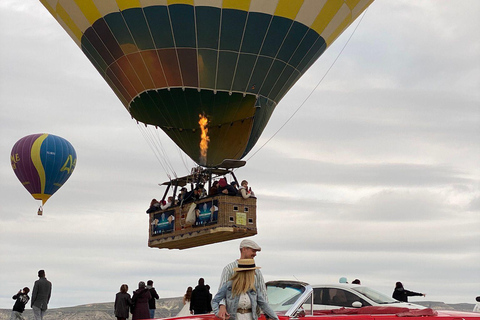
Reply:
x=313 y=90
x=40 y=211
x=155 y=144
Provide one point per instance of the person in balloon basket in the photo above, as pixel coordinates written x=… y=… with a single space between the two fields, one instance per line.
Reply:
x=123 y=303
x=42 y=290
x=241 y=295
x=248 y=250
x=401 y=294
x=245 y=191
x=140 y=299
x=21 y=300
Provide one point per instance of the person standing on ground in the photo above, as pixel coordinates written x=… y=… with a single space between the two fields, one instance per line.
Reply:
x=241 y=296
x=21 y=301
x=151 y=303
x=201 y=301
x=123 y=302
x=185 y=311
x=42 y=290
x=400 y=294
x=248 y=250
x=140 y=302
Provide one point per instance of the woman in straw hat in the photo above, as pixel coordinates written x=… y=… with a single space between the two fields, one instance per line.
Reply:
x=241 y=296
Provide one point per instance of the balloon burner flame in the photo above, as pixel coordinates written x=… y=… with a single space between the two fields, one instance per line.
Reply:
x=204 y=139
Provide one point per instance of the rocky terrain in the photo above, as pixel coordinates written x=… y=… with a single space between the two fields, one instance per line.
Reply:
x=168 y=307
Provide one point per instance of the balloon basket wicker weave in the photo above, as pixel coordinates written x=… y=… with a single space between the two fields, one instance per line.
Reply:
x=216 y=219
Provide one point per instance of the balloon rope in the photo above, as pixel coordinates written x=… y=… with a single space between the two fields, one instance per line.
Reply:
x=313 y=90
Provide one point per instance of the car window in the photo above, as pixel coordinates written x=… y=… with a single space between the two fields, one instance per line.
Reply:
x=281 y=298
x=336 y=297
x=376 y=296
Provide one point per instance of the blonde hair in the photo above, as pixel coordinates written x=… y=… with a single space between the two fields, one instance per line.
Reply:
x=243 y=281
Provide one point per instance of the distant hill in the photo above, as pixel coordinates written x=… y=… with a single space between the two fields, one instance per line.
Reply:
x=167 y=307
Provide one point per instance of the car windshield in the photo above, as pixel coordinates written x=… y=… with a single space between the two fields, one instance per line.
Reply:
x=281 y=296
x=376 y=296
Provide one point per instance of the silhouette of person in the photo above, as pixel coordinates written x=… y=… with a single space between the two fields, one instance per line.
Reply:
x=400 y=294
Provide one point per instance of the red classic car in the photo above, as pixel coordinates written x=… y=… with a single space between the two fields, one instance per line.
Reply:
x=297 y=300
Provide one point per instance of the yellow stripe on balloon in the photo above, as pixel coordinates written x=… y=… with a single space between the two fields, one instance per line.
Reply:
x=288 y=8
x=243 y=5
x=41 y=196
x=360 y=7
x=89 y=10
x=37 y=160
x=189 y=2
x=49 y=8
x=341 y=21
x=328 y=11
x=128 y=4
x=74 y=29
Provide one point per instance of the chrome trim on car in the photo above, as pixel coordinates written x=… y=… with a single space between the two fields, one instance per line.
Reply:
x=301 y=300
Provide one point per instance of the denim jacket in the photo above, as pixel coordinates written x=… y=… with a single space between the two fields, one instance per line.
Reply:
x=256 y=297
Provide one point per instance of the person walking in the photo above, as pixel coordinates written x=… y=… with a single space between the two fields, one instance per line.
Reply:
x=201 y=301
x=123 y=303
x=21 y=301
x=140 y=302
x=248 y=250
x=241 y=296
x=151 y=303
x=400 y=294
x=42 y=290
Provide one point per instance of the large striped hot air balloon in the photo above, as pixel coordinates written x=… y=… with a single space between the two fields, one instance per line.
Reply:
x=228 y=62
x=43 y=163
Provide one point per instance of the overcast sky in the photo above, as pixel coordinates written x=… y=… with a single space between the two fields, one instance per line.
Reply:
x=376 y=177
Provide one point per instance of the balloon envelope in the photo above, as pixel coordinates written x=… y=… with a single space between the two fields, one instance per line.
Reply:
x=43 y=163
x=232 y=61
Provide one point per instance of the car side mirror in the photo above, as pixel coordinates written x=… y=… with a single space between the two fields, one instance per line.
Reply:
x=357 y=304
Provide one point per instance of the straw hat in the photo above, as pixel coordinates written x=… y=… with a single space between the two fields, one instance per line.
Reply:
x=245 y=265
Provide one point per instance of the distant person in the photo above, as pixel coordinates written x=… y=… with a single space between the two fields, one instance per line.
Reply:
x=185 y=311
x=225 y=188
x=42 y=290
x=167 y=204
x=213 y=189
x=356 y=281
x=21 y=300
x=241 y=295
x=248 y=250
x=140 y=302
x=401 y=294
x=151 y=303
x=154 y=206
x=477 y=306
x=123 y=303
x=201 y=302
x=245 y=191
x=342 y=280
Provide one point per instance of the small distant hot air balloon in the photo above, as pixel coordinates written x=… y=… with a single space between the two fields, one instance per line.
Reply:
x=43 y=163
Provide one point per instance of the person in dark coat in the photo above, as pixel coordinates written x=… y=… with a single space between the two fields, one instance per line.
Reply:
x=42 y=289
x=401 y=294
x=140 y=302
x=201 y=301
x=123 y=303
x=21 y=299
x=151 y=303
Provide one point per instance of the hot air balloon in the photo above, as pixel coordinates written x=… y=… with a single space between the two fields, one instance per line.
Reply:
x=43 y=163
x=209 y=73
